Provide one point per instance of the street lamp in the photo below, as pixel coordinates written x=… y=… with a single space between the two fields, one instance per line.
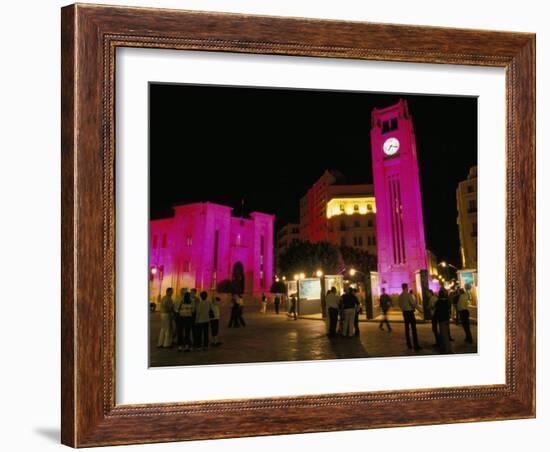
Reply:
x=296 y=277
x=352 y=272
x=302 y=275
x=319 y=273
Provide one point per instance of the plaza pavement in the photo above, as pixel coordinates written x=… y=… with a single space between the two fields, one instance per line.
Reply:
x=271 y=337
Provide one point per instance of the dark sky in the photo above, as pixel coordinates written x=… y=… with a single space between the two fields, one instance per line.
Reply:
x=223 y=144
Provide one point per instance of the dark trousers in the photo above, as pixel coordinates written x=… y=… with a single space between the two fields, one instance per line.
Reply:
x=465 y=321
x=201 y=334
x=277 y=303
x=214 y=326
x=332 y=321
x=410 y=324
x=183 y=328
x=385 y=320
x=435 y=330
x=356 y=323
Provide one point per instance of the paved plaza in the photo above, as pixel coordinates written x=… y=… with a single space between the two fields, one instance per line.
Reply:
x=271 y=337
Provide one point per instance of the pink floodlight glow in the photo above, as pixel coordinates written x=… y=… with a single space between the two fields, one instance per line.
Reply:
x=202 y=244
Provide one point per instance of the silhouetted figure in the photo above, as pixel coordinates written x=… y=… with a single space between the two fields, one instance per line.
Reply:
x=349 y=306
x=183 y=310
x=464 y=314
x=202 y=310
x=407 y=303
x=441 y=316
x=277 y=303
x=385 y=304
x=431 y=306
x=332 y=302
x=293 y=307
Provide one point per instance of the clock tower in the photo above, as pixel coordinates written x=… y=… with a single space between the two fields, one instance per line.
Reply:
x=399 y=220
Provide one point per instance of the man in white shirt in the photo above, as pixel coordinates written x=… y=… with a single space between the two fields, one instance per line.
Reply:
x=407 y=303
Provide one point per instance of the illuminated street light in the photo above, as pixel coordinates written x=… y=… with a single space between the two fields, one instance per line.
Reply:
x=284 y=278
x=302 y=275
x=319 y=273
x=352 y=272
x=154 y=270
x=296 y=277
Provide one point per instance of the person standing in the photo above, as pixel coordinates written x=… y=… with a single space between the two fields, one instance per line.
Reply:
x=166 y=309
x=215 y=321
x=464 y=314
x=332 y=301
x=277 y=303
x=202 y=309
x=240 y=310
x=407 y=303
x=234 y=312
x=385 y=304
x=178 y=320
x=431 y=306
x=185 y=313
x=442 y=315
x=292 y=310
x=264 y=304
x=358 y=310
x=349 y=305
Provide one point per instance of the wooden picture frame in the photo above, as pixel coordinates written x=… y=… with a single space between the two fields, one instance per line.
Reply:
x=90 y=36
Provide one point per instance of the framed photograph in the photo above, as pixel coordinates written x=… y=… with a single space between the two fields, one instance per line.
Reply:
x=319 y=224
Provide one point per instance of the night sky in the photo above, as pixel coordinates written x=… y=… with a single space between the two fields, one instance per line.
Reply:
x=268 y=146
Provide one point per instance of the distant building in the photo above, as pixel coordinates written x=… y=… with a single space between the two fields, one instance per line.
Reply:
x=202 y=244
x=287 y=235
x=466 y=201
x=342 y=214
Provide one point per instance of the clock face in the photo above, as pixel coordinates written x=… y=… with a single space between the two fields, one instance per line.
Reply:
x=391 y=146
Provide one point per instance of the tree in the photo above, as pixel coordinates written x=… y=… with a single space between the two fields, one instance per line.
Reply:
x=359 y=259
x=306 y=257
x=278 y=287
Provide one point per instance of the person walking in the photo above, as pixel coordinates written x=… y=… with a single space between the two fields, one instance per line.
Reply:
x=202 y=309
x=240 y=310
x=333 y=304
x=442 y=315
x=166 y=310
x=349 y=305
x=234 y=312
x=277 y=303
x=464 y=314
x=215 y=321
x=385 y=304
x=407 y=303
x=435 y=327
x=264 y=304
x=292 y=310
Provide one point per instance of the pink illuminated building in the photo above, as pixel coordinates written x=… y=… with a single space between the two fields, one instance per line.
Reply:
x=202 y=244
x=399 y=220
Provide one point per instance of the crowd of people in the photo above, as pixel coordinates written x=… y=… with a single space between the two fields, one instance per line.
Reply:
x=191 y=322
x=343 y=315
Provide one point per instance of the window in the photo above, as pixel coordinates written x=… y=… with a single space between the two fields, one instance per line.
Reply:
x=342 y=241
x=472 y=206
x=155 y=242
x=369 y=241
x=187 y=266
x=238 y=240
x=356 y=207
x=369 y=223
x=470 y=189
x=189 y=240
x=357 y=224
x=164 y=240
x=369 y=207
x=388 y=126
x=342 y=225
